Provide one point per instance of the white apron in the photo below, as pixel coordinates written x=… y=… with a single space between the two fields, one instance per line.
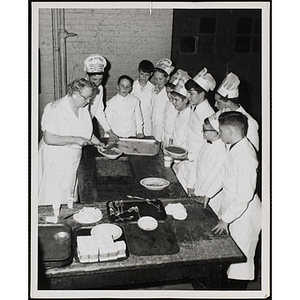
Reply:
x=58 y=164
x=238 y=205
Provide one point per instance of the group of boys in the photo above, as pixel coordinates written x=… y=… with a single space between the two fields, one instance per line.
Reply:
x=222 y=146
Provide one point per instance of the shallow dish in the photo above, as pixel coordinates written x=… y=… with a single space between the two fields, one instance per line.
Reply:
x=147 y=223
x=154 y=184
x=107 y=229
x=175 y=151
x=112 y=153
x=61 y=237
x=88 y=215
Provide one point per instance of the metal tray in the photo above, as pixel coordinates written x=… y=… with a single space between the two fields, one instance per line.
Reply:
x=86 y=231
x=133 y=146
x=144 y=209
x=55 y=252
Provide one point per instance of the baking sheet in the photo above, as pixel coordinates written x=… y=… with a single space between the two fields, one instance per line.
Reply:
x=145 y=209
x=160 y=241
x=131 y=146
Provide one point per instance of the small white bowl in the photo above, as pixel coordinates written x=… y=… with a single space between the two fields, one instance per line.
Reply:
x=175 y=151
x=154 y=184
x=112 y=153
x=147 y=223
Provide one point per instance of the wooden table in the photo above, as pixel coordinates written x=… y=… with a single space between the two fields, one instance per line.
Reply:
x=96 y=188
x=202 y=254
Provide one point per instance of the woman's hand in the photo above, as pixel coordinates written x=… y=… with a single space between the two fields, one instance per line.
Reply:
x=82 y=141
x=221 y=227
x=190 y=192
x=113 y=138
x=205 y=201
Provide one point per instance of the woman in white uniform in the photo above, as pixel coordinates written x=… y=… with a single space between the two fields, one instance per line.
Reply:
x=227 y=98
x=67 y=127
x=237 y=205
x=162 y=71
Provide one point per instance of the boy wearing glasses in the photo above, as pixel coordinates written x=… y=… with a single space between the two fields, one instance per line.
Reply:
x=208 y=164
x=94 y=66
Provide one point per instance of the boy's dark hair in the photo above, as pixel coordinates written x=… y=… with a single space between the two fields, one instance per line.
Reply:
x=235 y=119
x=225 y=99
x=146 y=66
x=191 y=84
x=125 y=77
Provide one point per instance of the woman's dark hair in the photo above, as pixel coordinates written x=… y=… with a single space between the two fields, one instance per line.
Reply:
x=78 y=84
x=191 y=84
x=146 y=66
x=225 y=99
x=125 y=77
x=235 y=119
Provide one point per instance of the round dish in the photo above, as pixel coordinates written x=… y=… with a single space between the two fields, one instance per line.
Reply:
x=61 y=237
x=112 y=153
x=88 y=215
x=154 y=184
x=147 y=223
x=175 y=151
x=107 y=229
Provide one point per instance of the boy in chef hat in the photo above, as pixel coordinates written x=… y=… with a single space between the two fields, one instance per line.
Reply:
x=237 y=205
x=208 y=164
x=161 y=75
x=181 y=104
x=197 y=89
x=227 y=98
x=94 y=66
x=142 y=89
x=170 y=111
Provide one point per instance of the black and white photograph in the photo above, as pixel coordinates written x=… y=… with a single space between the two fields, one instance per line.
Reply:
x=150 y=150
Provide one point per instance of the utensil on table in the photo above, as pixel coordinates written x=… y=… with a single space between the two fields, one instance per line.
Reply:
x=156 y=206
x=111 y=207
x=117 y=204
x=137 y=211
x=122 y=219
x=121 y=206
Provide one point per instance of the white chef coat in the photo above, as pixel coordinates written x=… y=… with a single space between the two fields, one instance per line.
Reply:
x=206 y=168
x=144 y=94
x=238 y=204
x=194 y=139
x=170 y=113
x=124 y=115
x=252 y=133
x=180 y=127
x=97 y=109
x=58 y=164
x=159 y=101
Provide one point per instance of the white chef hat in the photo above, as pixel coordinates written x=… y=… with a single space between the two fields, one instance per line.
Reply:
x=166 y=65
x=229 y=86
x=180 y=88
x=175 y=77
x=205 y=80
x=95 y=63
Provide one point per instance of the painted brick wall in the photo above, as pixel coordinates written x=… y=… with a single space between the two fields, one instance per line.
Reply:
x=123 y=36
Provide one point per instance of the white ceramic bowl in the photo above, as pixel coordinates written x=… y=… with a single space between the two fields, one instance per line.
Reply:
x=154 y=183
x=112 y=153
x=175 y=151
x=147 y=223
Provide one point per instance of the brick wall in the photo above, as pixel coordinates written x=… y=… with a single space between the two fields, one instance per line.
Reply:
x=123 y=36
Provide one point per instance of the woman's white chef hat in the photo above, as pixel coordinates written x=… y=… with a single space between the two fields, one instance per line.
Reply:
x=205 y=80
x=165 y=64
x=229 y=86
x=95 y=63
x=180 y=88
x=175 y=77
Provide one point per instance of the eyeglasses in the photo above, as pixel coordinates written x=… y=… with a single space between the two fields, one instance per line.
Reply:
x=204 y=129
x=86 y=98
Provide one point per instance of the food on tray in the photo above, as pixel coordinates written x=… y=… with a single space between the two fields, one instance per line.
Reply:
x=88 y=215
x=112 y=153
x=94 y=249
x=153 y=183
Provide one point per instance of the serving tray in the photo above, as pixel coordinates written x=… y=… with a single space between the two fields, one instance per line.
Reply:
x=54 y=253
x=133 y=146
x=155 y=209
x=160 y=241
